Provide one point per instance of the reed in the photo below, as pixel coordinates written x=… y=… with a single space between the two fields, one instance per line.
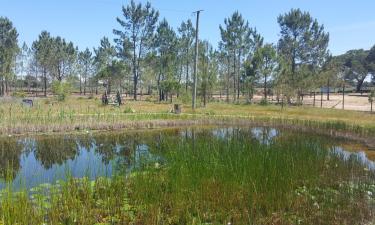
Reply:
x=204 y=177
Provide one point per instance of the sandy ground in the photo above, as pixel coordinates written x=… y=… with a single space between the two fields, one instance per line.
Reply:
x=353 y=101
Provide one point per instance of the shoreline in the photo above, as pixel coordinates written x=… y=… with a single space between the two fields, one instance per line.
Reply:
x=336 y=129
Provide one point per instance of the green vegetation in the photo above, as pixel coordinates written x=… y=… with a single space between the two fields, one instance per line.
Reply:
x=200 y=176
x=233 y=177
x=149 y=56
x=49 y=115
x=61 y=90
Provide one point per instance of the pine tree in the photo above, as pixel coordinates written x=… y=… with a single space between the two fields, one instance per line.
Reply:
x=42 y=50
x=303 y=45
x=165 y=45
x=138 y=25
x=85 y=61
x=239 y=40
x=187 y=34
x=8 y=52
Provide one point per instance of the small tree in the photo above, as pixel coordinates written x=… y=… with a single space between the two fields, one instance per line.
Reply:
x=61 y=89
x=371 y=98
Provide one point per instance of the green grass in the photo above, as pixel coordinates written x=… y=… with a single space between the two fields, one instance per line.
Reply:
x=243 y=182
x=204 y=179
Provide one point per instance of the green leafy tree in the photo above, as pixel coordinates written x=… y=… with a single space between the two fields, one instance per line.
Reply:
x=104 y=56
x=63 y=58
x=22 y=61
x=303 y=45
x=42 y=51
x=238 y=39
x=166 y=52
x=358 y=66
x=249 y=79
x=138 y=25
x=224 y=69
x=61 y=89
x=85 y=61
x=112 y=73
x=8 y=51
x=187 y=34
x=208 y=71
x=329 y=75
x=265 y=64
x=371 y=63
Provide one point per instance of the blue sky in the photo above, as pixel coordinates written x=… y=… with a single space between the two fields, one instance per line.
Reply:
x=351 y=24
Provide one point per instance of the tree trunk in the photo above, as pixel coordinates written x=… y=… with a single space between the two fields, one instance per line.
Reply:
x=80 y=84
x=238 y=76
x=135 y=87
x=314 y=100
x=135 y=77
x=204 y=97
x=45 y=82
x=359 y=84
x=343 y=96
x=265 y=87
x=84 y=87
x=234 y=75
x=6 y=87
x=371 y=106
x=228 y=80
x=2 y=87
x=187 y=69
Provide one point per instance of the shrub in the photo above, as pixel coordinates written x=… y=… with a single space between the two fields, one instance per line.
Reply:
x=61 y=89
x=263 y=102
x=185 y=97
x=19 y=94
x=129 y=110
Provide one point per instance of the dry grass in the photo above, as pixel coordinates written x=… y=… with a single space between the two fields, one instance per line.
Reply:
x=78 y=113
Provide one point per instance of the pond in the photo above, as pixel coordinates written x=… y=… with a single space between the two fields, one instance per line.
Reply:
x=207 y=174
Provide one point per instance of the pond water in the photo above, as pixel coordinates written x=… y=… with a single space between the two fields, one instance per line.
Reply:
x=29 y=161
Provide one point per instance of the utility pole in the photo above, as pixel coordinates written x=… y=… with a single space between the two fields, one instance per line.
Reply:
x=343 y=95
x=196 y=60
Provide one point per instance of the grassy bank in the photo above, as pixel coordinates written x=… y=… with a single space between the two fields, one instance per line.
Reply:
x=88 y=114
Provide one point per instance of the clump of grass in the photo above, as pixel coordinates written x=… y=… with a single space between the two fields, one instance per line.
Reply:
x=75 y=201
x=206 y=176
x=242 y=182
x=129 y=110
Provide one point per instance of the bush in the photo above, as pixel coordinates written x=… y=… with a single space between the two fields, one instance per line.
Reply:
x=263 y=102
x=61 y=89
x=19 y=94
x=185 y=97
x=129 y=110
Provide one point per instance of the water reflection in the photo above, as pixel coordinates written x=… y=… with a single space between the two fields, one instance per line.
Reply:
x=48 y=158
x=265 y=135
x=360 y=157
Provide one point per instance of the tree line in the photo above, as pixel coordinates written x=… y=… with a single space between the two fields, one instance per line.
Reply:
x=148 y=56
